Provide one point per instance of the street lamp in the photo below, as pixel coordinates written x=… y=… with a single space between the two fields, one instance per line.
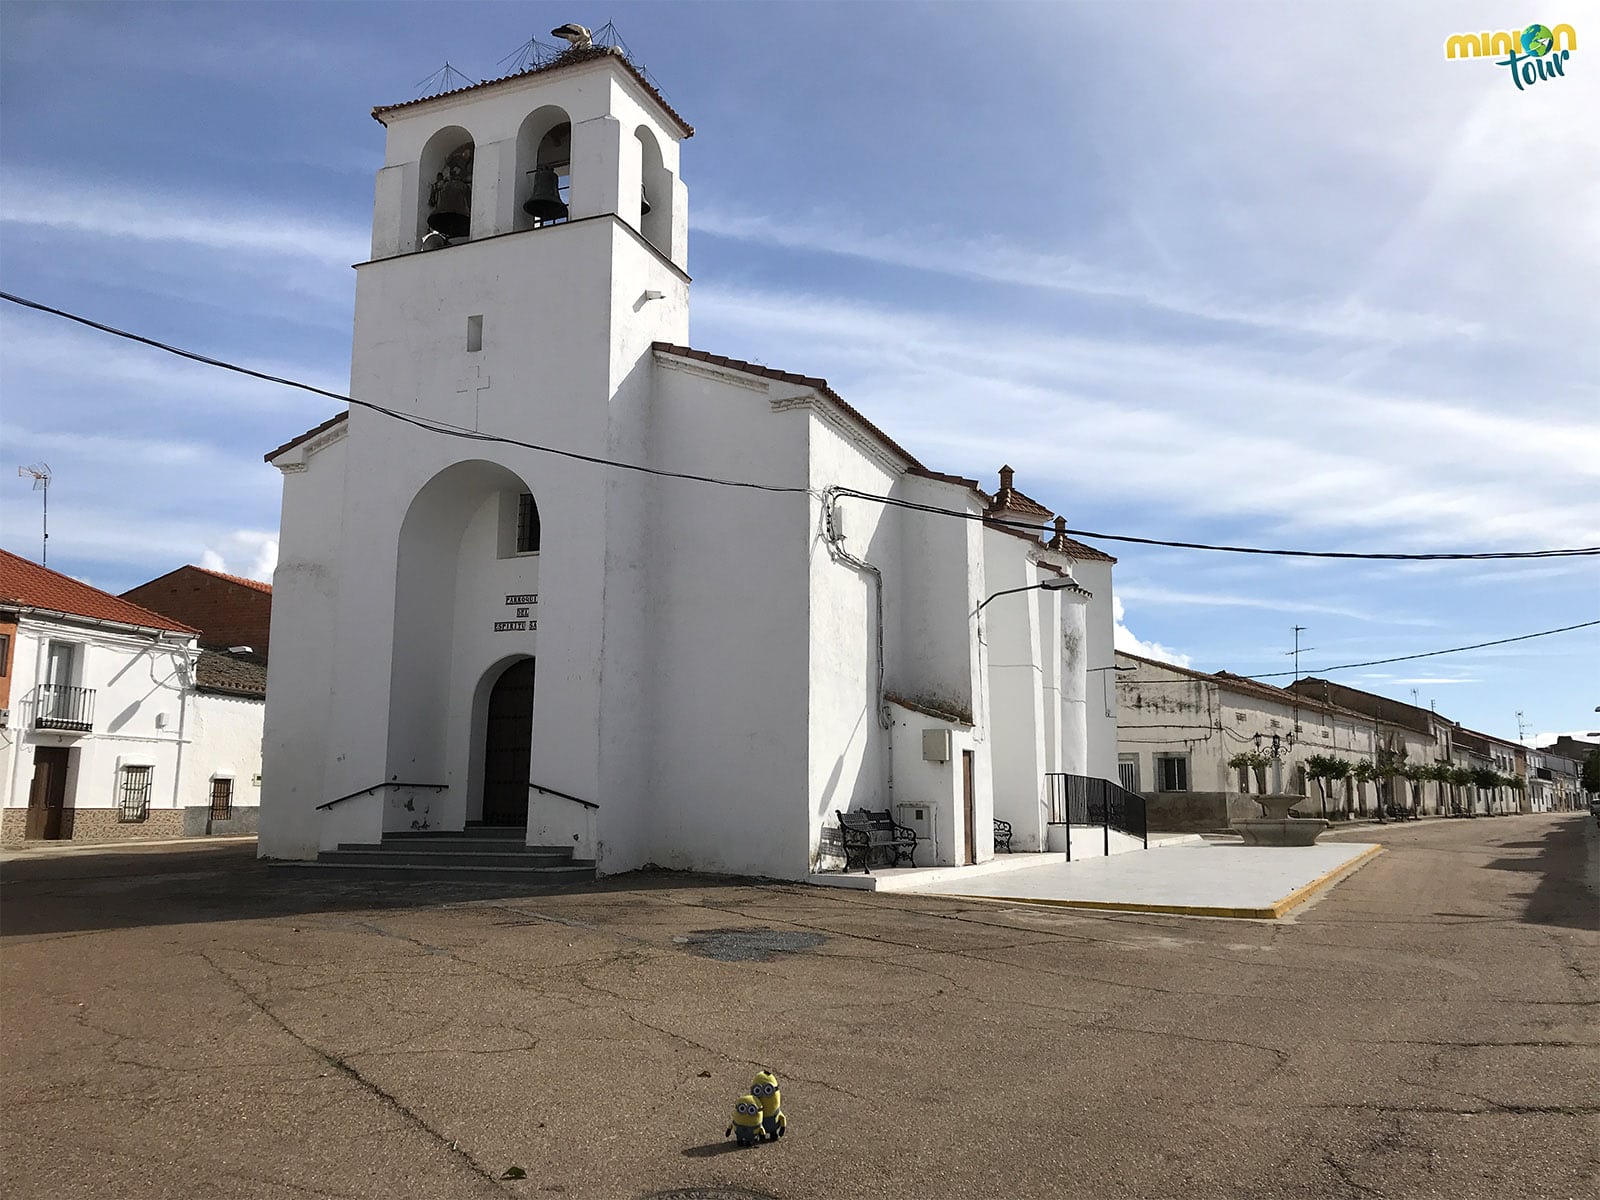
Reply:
x=1105 y=687
x=1056 y=583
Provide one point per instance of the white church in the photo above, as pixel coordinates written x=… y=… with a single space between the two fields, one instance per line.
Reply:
x=471 y=631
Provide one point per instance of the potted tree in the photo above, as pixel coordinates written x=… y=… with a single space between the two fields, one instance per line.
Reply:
x=1255 y=762
x=1325 y=768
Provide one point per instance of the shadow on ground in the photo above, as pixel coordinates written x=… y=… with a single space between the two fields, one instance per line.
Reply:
x=132 y=887
x=1561 y=896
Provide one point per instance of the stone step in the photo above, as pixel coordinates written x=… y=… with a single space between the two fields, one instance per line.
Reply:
x=430 y=872
x=438 y=856
x=454 y=845
x=473 y=829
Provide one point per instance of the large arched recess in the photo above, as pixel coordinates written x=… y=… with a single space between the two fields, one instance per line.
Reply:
x=448 y=549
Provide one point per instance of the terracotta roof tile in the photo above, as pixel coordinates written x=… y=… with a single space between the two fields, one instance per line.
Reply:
x=810 y=381
x=239 y=579
x=306 y=436
x=569 y=58
x=233 y=674
x=28 y=585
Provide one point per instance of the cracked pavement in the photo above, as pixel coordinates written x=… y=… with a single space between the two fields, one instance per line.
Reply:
x=180 y=1021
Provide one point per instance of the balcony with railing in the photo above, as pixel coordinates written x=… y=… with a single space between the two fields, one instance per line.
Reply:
x=62 y=708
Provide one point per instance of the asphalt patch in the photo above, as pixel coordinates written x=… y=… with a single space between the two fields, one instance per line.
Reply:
x=710 y=1193
x=746 y=945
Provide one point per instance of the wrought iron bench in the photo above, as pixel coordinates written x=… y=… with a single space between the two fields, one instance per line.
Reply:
x=875 y=835
x=1002 y=835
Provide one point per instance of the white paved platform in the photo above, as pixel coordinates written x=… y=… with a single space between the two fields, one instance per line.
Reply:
x=1085 y=846
x=1217 y=879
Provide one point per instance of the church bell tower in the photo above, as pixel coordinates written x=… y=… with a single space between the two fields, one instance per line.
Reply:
x=528 y=244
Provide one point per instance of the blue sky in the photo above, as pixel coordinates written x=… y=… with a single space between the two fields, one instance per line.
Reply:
x=1248 y=273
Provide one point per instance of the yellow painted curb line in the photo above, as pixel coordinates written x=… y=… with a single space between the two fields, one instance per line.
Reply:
x=1277 y=909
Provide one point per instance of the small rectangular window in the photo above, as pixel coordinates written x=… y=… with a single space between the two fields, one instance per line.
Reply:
x=134 y=798
x=221 y=799
x=1172 y=774
x=5 y=655
x=475 y=333
x=1128 y=771
x=527 y=525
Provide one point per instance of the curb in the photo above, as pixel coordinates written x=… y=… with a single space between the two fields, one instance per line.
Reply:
x=1270 y=913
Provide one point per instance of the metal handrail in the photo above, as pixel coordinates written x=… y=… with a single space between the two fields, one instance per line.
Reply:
x=438 y=787
x=1088 y=800
x=565 y=796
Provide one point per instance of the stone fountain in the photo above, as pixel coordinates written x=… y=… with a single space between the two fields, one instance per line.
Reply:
x=1276 y=827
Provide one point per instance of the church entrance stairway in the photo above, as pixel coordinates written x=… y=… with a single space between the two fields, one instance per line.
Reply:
x=477 y=854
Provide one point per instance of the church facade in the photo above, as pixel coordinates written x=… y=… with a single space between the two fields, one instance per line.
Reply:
x=539 y=590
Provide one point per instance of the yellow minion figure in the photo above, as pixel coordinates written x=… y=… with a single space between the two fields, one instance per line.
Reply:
x=746 y=1121
x=765 y=1090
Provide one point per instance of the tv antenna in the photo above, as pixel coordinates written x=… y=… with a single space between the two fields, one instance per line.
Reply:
x=1522 y=728
x=41 y=483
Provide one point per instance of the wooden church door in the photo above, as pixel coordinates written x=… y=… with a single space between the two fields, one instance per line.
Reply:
x=509 y=741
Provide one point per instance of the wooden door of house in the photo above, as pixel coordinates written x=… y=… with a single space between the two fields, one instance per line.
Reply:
x=508 y=744
x=969 y=808
x=47 y=796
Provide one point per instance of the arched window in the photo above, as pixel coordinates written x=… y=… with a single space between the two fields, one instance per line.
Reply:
x=444 y=178
x=544 y=168
x=654 y=218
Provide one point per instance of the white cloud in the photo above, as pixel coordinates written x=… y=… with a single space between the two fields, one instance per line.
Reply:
x=1287 y=605
x=252 y=553
x=1124 y=640
x=995 y=260
x=109 y=209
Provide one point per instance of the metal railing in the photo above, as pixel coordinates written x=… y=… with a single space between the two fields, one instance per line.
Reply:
x=565 y=796
x=394 y=783
x=1085 y=800
x=58 y=706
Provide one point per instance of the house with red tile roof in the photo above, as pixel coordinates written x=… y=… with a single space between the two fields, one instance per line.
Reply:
x=117 y=722
x=560 y=573
x=226 y=610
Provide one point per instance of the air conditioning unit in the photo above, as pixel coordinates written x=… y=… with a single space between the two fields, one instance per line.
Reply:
x=5 y=718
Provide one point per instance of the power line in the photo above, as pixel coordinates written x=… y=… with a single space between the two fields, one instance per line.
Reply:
x=472 y=435
x=1378 y=662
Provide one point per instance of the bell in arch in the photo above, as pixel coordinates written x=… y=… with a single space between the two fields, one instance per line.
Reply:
x=545 y=204
x=450 y=197
x=644 y=201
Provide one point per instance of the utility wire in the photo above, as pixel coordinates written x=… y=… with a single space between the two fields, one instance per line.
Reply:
x=472 y=435
x=1378 y=662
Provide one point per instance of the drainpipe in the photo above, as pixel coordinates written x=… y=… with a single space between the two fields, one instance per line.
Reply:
x=182 y=672
x=834 y=536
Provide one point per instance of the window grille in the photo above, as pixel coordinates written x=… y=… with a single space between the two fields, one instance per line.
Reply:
x=135 y=796
x=1172 y=774
x=527 y=525
x=221 y=799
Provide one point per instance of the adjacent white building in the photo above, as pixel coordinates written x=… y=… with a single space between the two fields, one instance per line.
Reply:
x=1179 y=729
x=479 y=616
x=114 y=723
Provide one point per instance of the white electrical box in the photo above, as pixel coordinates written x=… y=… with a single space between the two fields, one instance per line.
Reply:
x=919 y=818
x=935 y=745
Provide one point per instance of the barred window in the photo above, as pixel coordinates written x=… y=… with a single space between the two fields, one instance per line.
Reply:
x=135 y=794
x=221 y=799
x=527 y=525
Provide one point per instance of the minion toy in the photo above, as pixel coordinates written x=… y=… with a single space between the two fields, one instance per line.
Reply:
x=765 y=1090
x=746 y=1121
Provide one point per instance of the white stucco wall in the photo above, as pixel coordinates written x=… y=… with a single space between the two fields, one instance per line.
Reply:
x=225 y=737
x=1100 y=711
x=142 y=711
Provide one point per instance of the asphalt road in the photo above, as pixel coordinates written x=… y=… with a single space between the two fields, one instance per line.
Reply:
x=182 y=1022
